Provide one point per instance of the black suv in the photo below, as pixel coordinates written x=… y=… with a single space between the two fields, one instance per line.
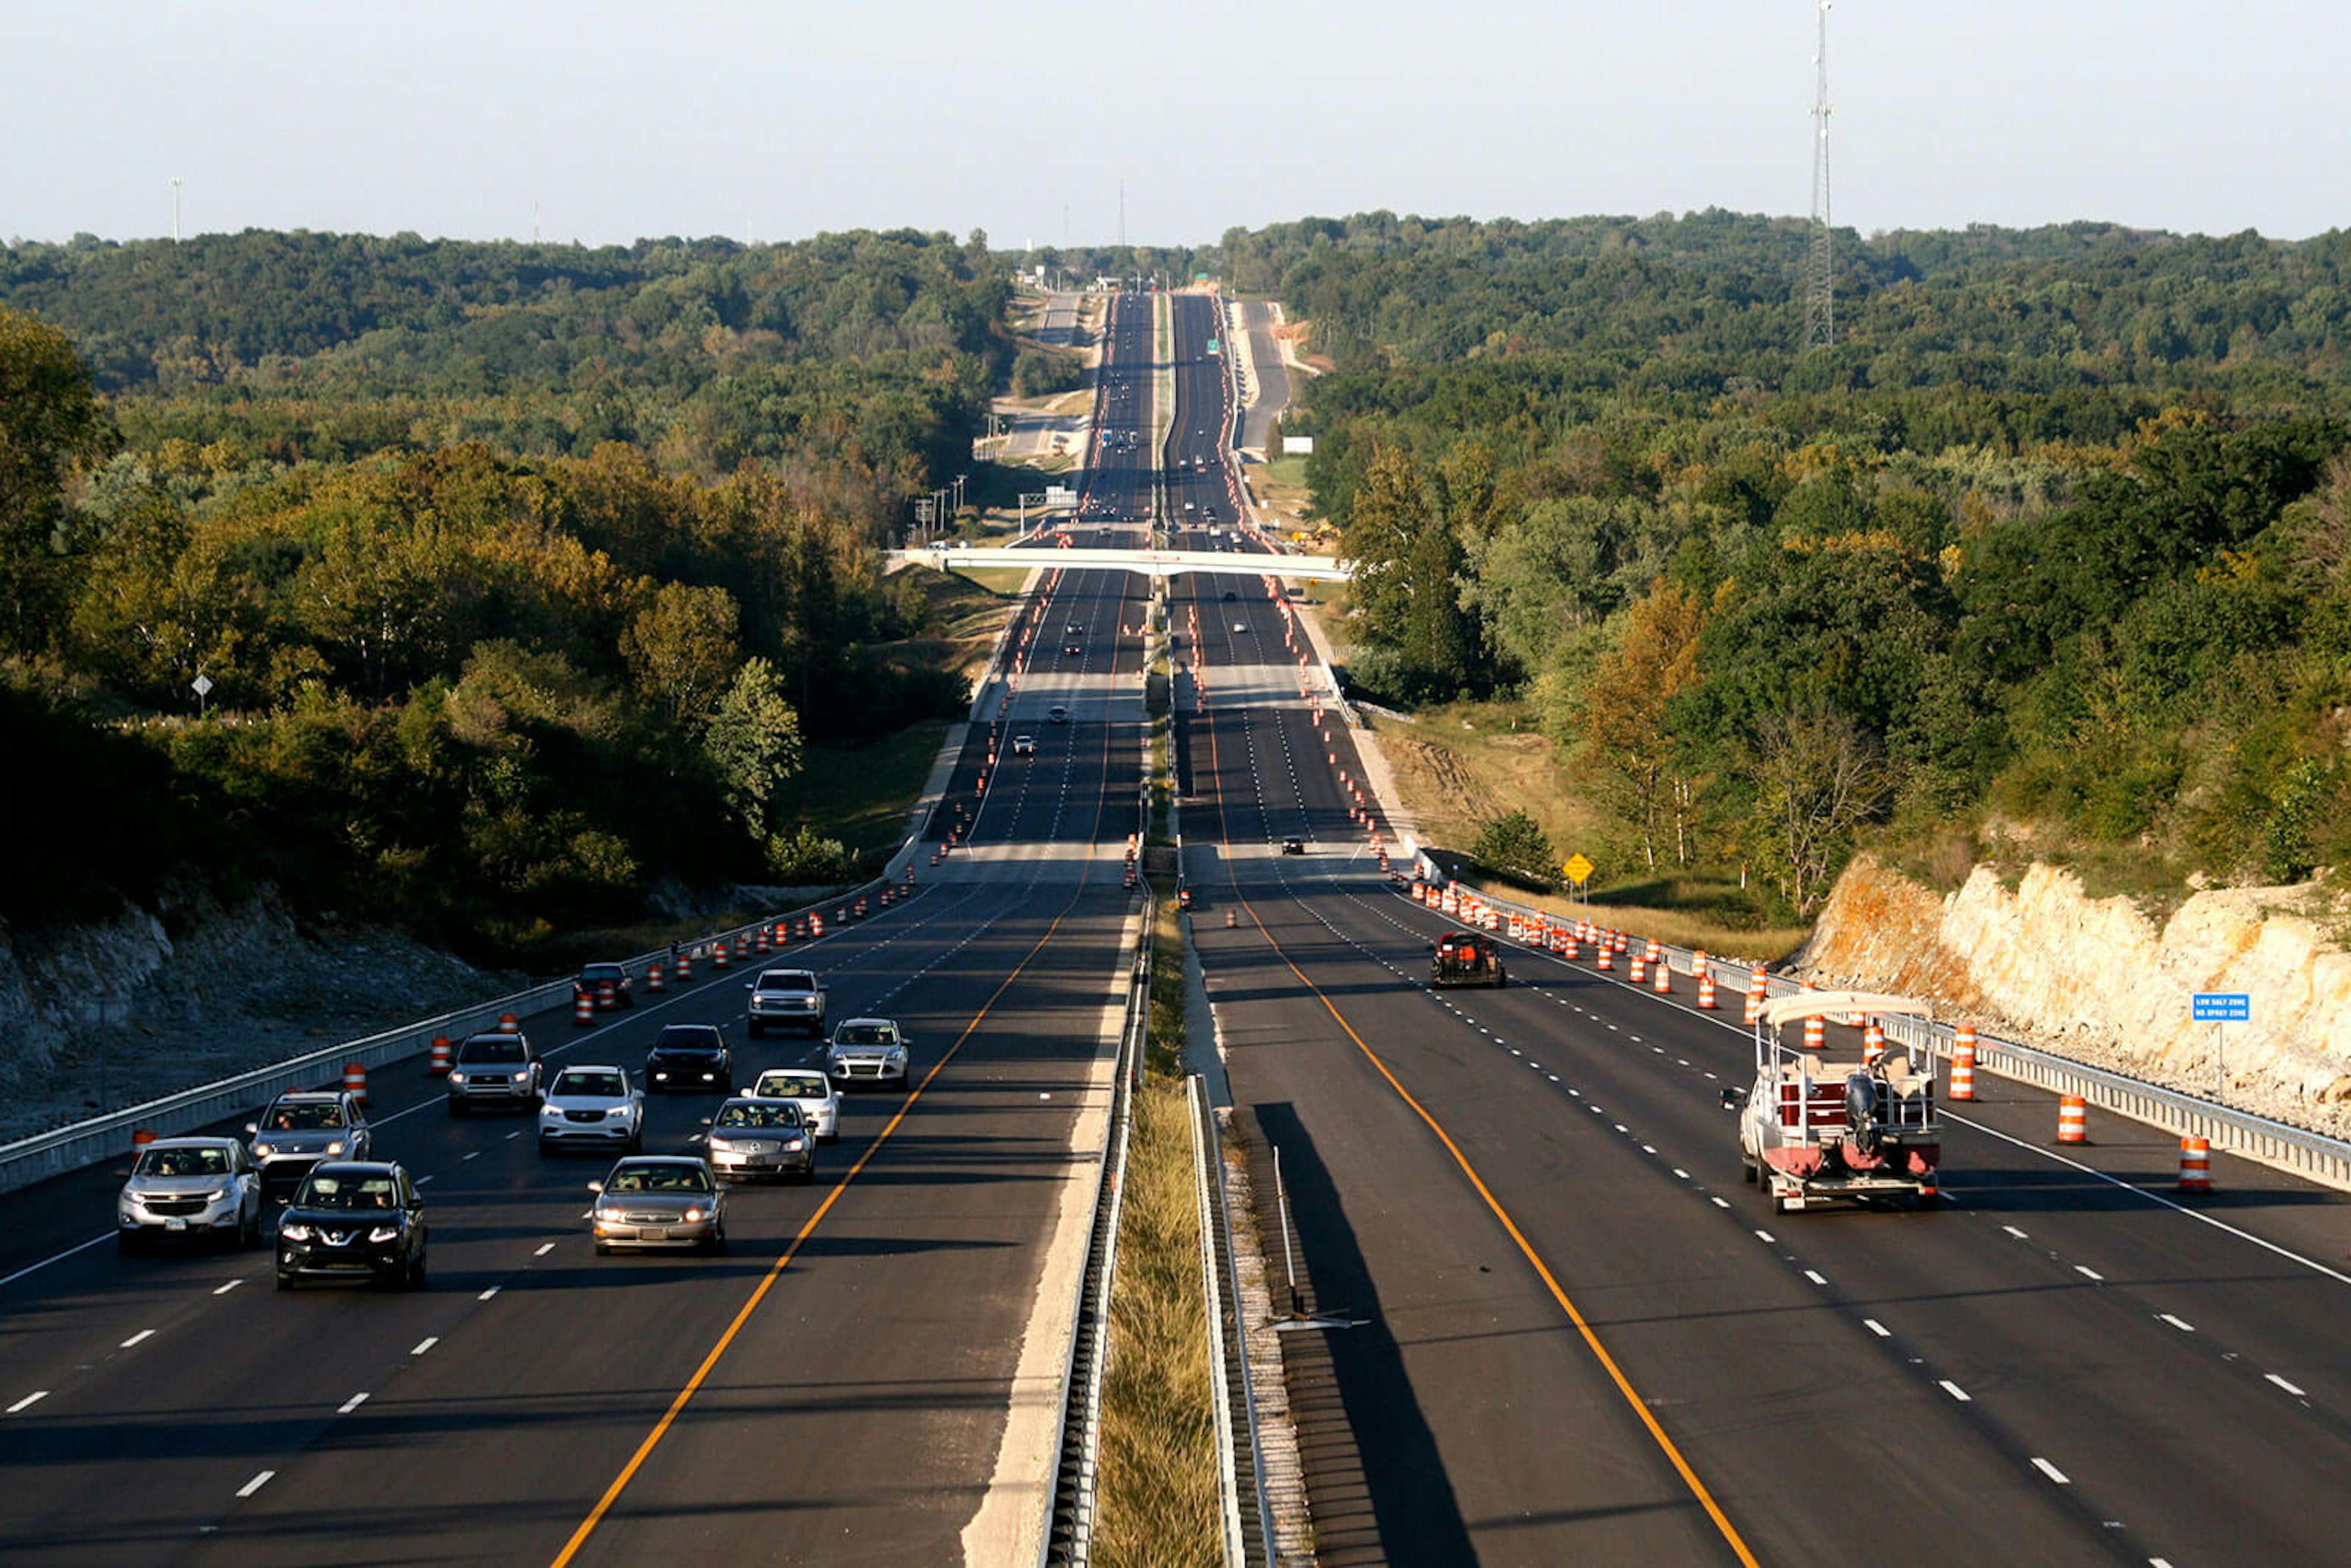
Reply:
x=689 y=1056
x=499 y=1070
x=354 y=1220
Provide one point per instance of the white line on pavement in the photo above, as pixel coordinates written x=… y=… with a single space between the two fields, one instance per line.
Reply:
x=353 y=1403
x=255 y=1484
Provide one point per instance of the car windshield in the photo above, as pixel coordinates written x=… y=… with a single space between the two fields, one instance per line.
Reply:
x=304 y=1118
x=792 y=1086
x=677 y=1038
x=348 y=1192
x=658 y=1178
x=604 y=972
x=496 y=1048
x=740 y=1113
x=183 y=1163
x=600 y=1085
x=866 y=1034
x=786 y=980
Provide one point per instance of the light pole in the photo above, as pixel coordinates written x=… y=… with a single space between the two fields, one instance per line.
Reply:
x=175 y=209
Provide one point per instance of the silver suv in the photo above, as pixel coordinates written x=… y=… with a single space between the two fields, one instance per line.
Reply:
x=867 y=1050
x=189 y=1190
x=787 y=999
x=297 y=1130
x=499 y=1070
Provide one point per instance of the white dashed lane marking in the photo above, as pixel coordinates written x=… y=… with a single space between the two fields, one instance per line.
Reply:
x=255 y=1484
x=1955 y=1391
x=26 y=1403
x=2183 y=1326
x=134 y=1338
x=2282 y=1383
x=427 y=1343
x=353 y=1403
x=2052 y=1471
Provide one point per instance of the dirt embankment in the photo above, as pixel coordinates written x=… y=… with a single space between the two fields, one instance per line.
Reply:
x=2103 y=982
x=97 y=1016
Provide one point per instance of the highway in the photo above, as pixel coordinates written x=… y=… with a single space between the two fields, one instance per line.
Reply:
x=837 y=1387
x=1580 y=1338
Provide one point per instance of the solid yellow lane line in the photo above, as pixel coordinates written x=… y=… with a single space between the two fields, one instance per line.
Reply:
x=1640 y=1408
x=710 y=1361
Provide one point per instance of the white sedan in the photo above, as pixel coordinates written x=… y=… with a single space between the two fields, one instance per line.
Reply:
x=811 y=1090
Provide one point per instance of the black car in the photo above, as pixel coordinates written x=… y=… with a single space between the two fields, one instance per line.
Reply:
x=1293 y=846
x=1071 y=649
x=1230 y=596
x=690 y=1056
x=354 y=1219
x=596 y=981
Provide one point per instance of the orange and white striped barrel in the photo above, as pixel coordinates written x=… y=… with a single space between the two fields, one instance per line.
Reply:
x=685 y=967
x=759 y=945
x=1662 y=980
x=1656 y=953
x=1963 y=1066
x=1607 y=956
x=438 y=1063
x=1759 y=986
x=2072 y=1119
x=2195 y=1164
x=1640 y=968
x=355 y=1081
x=718 y=954
x=1705 y=986
x=742 y=948
x=1816 y=1033
x=583 y=1007
x=1873 y=1043
x=654 y=980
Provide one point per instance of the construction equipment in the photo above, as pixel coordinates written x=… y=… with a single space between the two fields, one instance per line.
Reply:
x=1813 y=1129
x=1465 y=959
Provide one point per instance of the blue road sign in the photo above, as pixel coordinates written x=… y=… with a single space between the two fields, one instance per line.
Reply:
x=2224 y=1007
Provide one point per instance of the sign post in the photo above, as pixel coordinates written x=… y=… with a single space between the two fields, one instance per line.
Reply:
x=1578 y=872
x=2221 y=1009
x=203 y=686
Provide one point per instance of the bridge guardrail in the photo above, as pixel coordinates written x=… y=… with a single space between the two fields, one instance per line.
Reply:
x=1240 y=1465
x=2298 y=1150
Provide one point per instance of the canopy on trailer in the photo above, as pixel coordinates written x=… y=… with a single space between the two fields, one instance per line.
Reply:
x=1836 y=1004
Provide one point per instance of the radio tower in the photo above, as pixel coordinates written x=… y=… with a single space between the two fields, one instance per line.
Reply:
x=1819 y=273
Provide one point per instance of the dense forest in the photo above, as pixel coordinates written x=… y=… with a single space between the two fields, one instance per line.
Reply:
x=2052 y=548
x=517 y=577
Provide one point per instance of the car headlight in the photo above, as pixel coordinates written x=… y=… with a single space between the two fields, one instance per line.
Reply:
x=336 y=1147
x=794 y=1144
x=522 y=1078
x=693 y=1214
x=660 y=1076
x=618 y=1110
x=604 y=1214
x=385 y=1233
x=220 y=1194
x=263 y=1151
x=294 y=1230
x=456 y=1076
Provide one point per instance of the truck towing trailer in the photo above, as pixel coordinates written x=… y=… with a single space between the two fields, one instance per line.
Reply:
x=1812 y=1128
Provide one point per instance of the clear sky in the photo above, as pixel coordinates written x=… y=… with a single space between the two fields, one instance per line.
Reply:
x=782 y=118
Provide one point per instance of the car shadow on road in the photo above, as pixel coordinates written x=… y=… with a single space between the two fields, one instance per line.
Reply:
x=1376 y=1481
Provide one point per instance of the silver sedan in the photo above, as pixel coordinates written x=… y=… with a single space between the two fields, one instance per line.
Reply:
x=751 y=1138
x=189 y=1190
x=660 y=1200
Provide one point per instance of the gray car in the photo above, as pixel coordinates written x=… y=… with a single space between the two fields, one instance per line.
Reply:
x=189 y=1190
x=659 y=1200
x=297 y=1130
x=867 y=1050
x=753 y=1138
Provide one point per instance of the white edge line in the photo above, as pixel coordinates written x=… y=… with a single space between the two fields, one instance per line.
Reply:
x=2285 y=1252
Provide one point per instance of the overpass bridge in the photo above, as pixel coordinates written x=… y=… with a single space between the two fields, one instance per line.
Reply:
x=1150 y=562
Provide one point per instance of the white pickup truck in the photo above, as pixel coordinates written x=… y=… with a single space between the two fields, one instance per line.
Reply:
x=787 y=999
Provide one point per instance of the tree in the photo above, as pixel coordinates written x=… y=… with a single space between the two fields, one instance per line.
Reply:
x=1818 y=778
x=753 y=742
x=682 y=649
x=1515 y=844
x=1626 y=728
x=49 y=421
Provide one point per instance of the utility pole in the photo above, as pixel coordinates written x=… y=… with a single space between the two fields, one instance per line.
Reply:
x=1121 y=212
x=1820 y=269
x=534 y=223
x=175 y=209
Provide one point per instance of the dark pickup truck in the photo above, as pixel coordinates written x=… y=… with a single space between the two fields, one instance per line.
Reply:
x=1465 y=959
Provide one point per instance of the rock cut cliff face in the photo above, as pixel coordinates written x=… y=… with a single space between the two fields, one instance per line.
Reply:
x=2099 y=980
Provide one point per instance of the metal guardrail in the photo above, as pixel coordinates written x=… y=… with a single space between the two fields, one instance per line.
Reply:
x=1067 y=1539
x=1240 y=1466
x=107 y=1136
x=2299 y=1150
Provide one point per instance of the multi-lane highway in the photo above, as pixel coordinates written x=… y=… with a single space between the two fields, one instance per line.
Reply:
x=869 y=1374
x=1575 y=1336
x=1580 y=1338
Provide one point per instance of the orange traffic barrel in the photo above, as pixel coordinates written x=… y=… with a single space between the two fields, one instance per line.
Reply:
x=2195 y=1164
x=1640 y=968
x=1230 y=922
x=684 y=968
x=355 y=1080
x=1706 y=987
x=508 y=1023
x=437 y=1063
x=654 y=980
x=1873 y=1044
x=139 y=1139
x=1607 y=956
x=608 y=996
x=1816 y=1033
x=1663 y=982
x=2072 y=1119
x=1963 y=1066
x=718 y=955
x=584 y=1009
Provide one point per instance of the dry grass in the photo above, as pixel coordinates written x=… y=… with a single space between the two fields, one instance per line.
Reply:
x=1156 y=1499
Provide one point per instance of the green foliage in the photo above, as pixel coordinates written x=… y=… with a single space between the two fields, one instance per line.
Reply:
x=753 y=742
x=807 y=858
x=1515 y=844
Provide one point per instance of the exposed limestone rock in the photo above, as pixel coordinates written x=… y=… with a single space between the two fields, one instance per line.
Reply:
x=2099 y=980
